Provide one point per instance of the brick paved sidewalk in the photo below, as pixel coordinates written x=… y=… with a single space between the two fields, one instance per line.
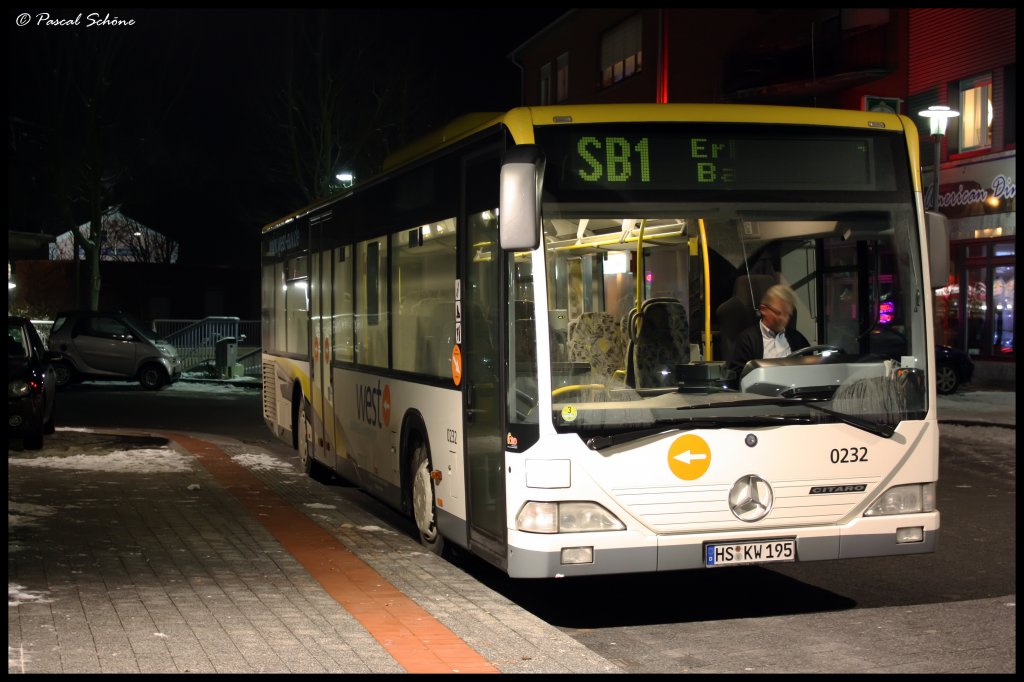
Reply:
x=119 y=571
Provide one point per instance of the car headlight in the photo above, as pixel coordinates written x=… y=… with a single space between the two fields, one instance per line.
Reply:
x=566 y=517
x=18 y=388
x=904 y=499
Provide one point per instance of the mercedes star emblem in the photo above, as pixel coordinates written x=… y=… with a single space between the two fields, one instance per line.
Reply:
x=751 y=498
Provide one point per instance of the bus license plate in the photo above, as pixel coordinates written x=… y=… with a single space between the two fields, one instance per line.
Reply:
x=759 y=552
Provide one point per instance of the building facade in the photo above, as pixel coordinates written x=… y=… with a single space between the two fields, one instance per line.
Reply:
x=124 y=240
x=966 y=59
x=900 y=59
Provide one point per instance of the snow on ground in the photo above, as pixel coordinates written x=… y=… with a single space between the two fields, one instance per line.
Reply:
x=141 y=461
x=262 y=462
x=18 y=595
x=993 y=407
x=26 y=513
x=992 y=448
x=231 y=386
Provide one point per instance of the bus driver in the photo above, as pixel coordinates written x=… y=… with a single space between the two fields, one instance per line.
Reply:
x=769 y=338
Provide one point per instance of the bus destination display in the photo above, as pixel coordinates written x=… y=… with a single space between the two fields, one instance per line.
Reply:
x=667 y=161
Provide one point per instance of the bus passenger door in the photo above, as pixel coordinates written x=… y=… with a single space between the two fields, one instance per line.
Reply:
x=481 y=295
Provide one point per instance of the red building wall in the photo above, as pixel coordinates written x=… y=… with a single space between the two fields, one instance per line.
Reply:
x=951 y=43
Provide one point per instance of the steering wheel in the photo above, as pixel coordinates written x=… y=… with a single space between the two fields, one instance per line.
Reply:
x=816 y=350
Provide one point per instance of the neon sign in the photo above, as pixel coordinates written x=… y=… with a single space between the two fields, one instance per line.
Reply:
x=886 y=309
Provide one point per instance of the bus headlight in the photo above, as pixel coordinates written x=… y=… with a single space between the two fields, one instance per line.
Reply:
x=904 y=499
x=566 y=517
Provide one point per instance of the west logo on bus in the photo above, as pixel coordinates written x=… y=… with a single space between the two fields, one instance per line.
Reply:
x=373 y=404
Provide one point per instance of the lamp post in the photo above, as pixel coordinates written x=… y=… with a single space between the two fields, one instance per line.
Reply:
x=938 y=116
x=346 y=178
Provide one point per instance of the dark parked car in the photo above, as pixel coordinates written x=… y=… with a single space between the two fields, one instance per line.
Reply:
x=952 y=368
x=31 y=384
x=108 y=345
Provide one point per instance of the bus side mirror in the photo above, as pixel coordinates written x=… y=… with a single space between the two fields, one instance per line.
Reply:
x=522 y=177
x=937 y=228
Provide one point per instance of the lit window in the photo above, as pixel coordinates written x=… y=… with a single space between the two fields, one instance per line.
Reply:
x=976 y=113
x=622 y=51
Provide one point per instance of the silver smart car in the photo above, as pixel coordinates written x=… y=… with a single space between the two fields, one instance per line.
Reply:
x=106 y=345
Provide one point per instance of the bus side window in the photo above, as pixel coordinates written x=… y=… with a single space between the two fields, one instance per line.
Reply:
x=435 y=336
x=371 y=304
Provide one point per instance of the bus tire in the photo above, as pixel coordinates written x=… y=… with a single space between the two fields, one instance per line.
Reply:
x=424 y=511
x=296 y=404
x=306 y=460
x=303 y=439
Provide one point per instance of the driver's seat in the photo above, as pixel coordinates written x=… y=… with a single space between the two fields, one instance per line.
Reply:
x=740 y=311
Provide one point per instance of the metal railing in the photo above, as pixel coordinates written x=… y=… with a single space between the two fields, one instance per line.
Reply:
x=196 y=340
x=252 y=363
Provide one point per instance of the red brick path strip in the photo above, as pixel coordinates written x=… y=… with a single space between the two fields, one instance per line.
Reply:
x=416 y=640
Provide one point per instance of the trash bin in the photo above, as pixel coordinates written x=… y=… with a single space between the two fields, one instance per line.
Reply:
x=225 y=356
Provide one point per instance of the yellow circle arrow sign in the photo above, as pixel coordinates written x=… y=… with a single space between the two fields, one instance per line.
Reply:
x=689 y=457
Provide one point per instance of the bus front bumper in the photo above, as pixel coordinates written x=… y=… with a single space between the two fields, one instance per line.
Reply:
x=532 y=555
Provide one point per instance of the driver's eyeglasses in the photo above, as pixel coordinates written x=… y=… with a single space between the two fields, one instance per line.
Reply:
x=775 y=310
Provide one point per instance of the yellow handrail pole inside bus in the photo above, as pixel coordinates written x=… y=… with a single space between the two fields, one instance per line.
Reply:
x=707 y=292
x=640 y=265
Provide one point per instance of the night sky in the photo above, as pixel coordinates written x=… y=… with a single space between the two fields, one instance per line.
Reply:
x=193 y=105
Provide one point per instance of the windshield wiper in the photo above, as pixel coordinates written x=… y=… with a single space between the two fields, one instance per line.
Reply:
x=602 y=442
x=883 y=430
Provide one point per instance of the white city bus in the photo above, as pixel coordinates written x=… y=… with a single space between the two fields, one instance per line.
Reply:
x=517 y=334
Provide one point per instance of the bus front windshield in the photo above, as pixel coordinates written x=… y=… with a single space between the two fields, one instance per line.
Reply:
x=646 y=310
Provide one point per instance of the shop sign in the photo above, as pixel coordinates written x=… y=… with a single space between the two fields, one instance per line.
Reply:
x=976 y=189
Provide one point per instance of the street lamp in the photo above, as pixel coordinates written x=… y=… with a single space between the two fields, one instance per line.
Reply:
x=938 y=116
x=346 y=178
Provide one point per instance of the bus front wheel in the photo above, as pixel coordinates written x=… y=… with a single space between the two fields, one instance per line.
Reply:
x=305 y=446
x=320 y=473
x=423 y=510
